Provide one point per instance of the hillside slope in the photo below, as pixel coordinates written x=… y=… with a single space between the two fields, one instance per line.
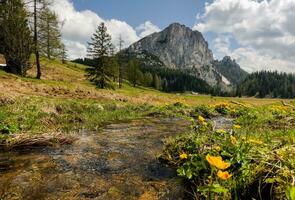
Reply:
x=68 y=81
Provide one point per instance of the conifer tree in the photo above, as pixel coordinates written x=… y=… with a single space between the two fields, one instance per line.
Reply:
x=49 y=34
x=121 y=42
x=134 y=74
x=100 y=49
x=16 y=36
x=148 y=79
x=157 y=82
x=64 y=53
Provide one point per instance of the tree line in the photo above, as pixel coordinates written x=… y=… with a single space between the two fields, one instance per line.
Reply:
x=29 y=27
x=108 y=69
x=268 y=84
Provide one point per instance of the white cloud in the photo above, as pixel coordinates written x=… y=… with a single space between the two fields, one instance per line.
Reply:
x=264 y=30
x=147 y=28
x=249 y=58
x=78 y=27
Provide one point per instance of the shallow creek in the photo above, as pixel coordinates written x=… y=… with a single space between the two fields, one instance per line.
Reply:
x=118 y=162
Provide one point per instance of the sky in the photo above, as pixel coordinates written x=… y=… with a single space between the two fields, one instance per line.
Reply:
x=258 y=34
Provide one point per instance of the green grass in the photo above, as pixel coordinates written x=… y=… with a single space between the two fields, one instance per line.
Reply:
x=65 y=85
x=63 y=101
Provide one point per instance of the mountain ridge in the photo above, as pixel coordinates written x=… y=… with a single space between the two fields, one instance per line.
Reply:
x=180 y=47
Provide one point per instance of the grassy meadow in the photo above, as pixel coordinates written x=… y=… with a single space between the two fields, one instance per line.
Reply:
x=254 y=158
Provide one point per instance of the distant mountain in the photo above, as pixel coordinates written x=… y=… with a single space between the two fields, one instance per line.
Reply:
x=179 y=47
x=230 y=70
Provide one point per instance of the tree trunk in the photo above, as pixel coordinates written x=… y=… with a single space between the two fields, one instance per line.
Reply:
x=36 y=42
x=120 y=75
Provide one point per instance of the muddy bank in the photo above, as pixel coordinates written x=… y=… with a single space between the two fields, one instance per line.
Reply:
x=119 y=162
x=25 y=142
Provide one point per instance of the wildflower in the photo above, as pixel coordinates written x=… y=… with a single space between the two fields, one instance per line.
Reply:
x=217 y=148
x=217 y=162
x=223 y=175
x=233 y=140
x=204 y=123
x=220 y=131
x=255 y=141
x=237 y=126
x=183 y=156
x=201 y=119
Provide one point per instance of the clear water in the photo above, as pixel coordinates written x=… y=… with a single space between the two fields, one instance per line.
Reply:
x=118 y=162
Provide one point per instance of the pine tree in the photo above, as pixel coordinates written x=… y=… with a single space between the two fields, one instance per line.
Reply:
x=148 y=79
x=49 y=34
x=157 y=82
x=100 y=48
x=63 y=54
x=133 y=72
x=121 y=42
x=16 y=36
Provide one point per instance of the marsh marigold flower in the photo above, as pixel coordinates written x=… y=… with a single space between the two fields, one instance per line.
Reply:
x=223 y=175
x=237 y=126
x=201 y=119
x=183 y=156
x=233 y=140
x=204 y=123
x=217 y=162
x=217 y=148
x=255 y=141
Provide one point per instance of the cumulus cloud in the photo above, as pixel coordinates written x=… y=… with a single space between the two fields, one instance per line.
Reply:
x=78 y=26
x=147 y=28
x=264 y=31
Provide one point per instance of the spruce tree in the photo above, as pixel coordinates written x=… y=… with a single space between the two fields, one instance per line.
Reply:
x=121 y=42
x=134 y=74
x=49 y=34
x=100 y=49
x=63 y=54
x=16 y=36
x=157 y=82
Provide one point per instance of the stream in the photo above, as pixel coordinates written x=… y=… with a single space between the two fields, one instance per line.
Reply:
x=118 y=162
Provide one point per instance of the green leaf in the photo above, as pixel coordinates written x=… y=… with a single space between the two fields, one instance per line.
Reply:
x=219 y=189
x=290 y=193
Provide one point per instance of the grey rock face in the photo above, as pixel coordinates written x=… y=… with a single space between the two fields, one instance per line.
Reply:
x=180 y=47
x=230 y=69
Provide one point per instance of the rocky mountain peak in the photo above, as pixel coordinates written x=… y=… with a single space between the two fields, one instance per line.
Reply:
x=177 y=46
x=180 y=47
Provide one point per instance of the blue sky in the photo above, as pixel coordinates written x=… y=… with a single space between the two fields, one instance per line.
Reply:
x=258 y=34
x=135 y=12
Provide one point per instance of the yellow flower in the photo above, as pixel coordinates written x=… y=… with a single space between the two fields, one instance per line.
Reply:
x=255 y=141
x=204 y=123
x=237 y=126
x=221 y=131
x=217 y=162
x=223 y=175
x=233 y=140
x=183 y=156
x=201 y=119
x=217 y=148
